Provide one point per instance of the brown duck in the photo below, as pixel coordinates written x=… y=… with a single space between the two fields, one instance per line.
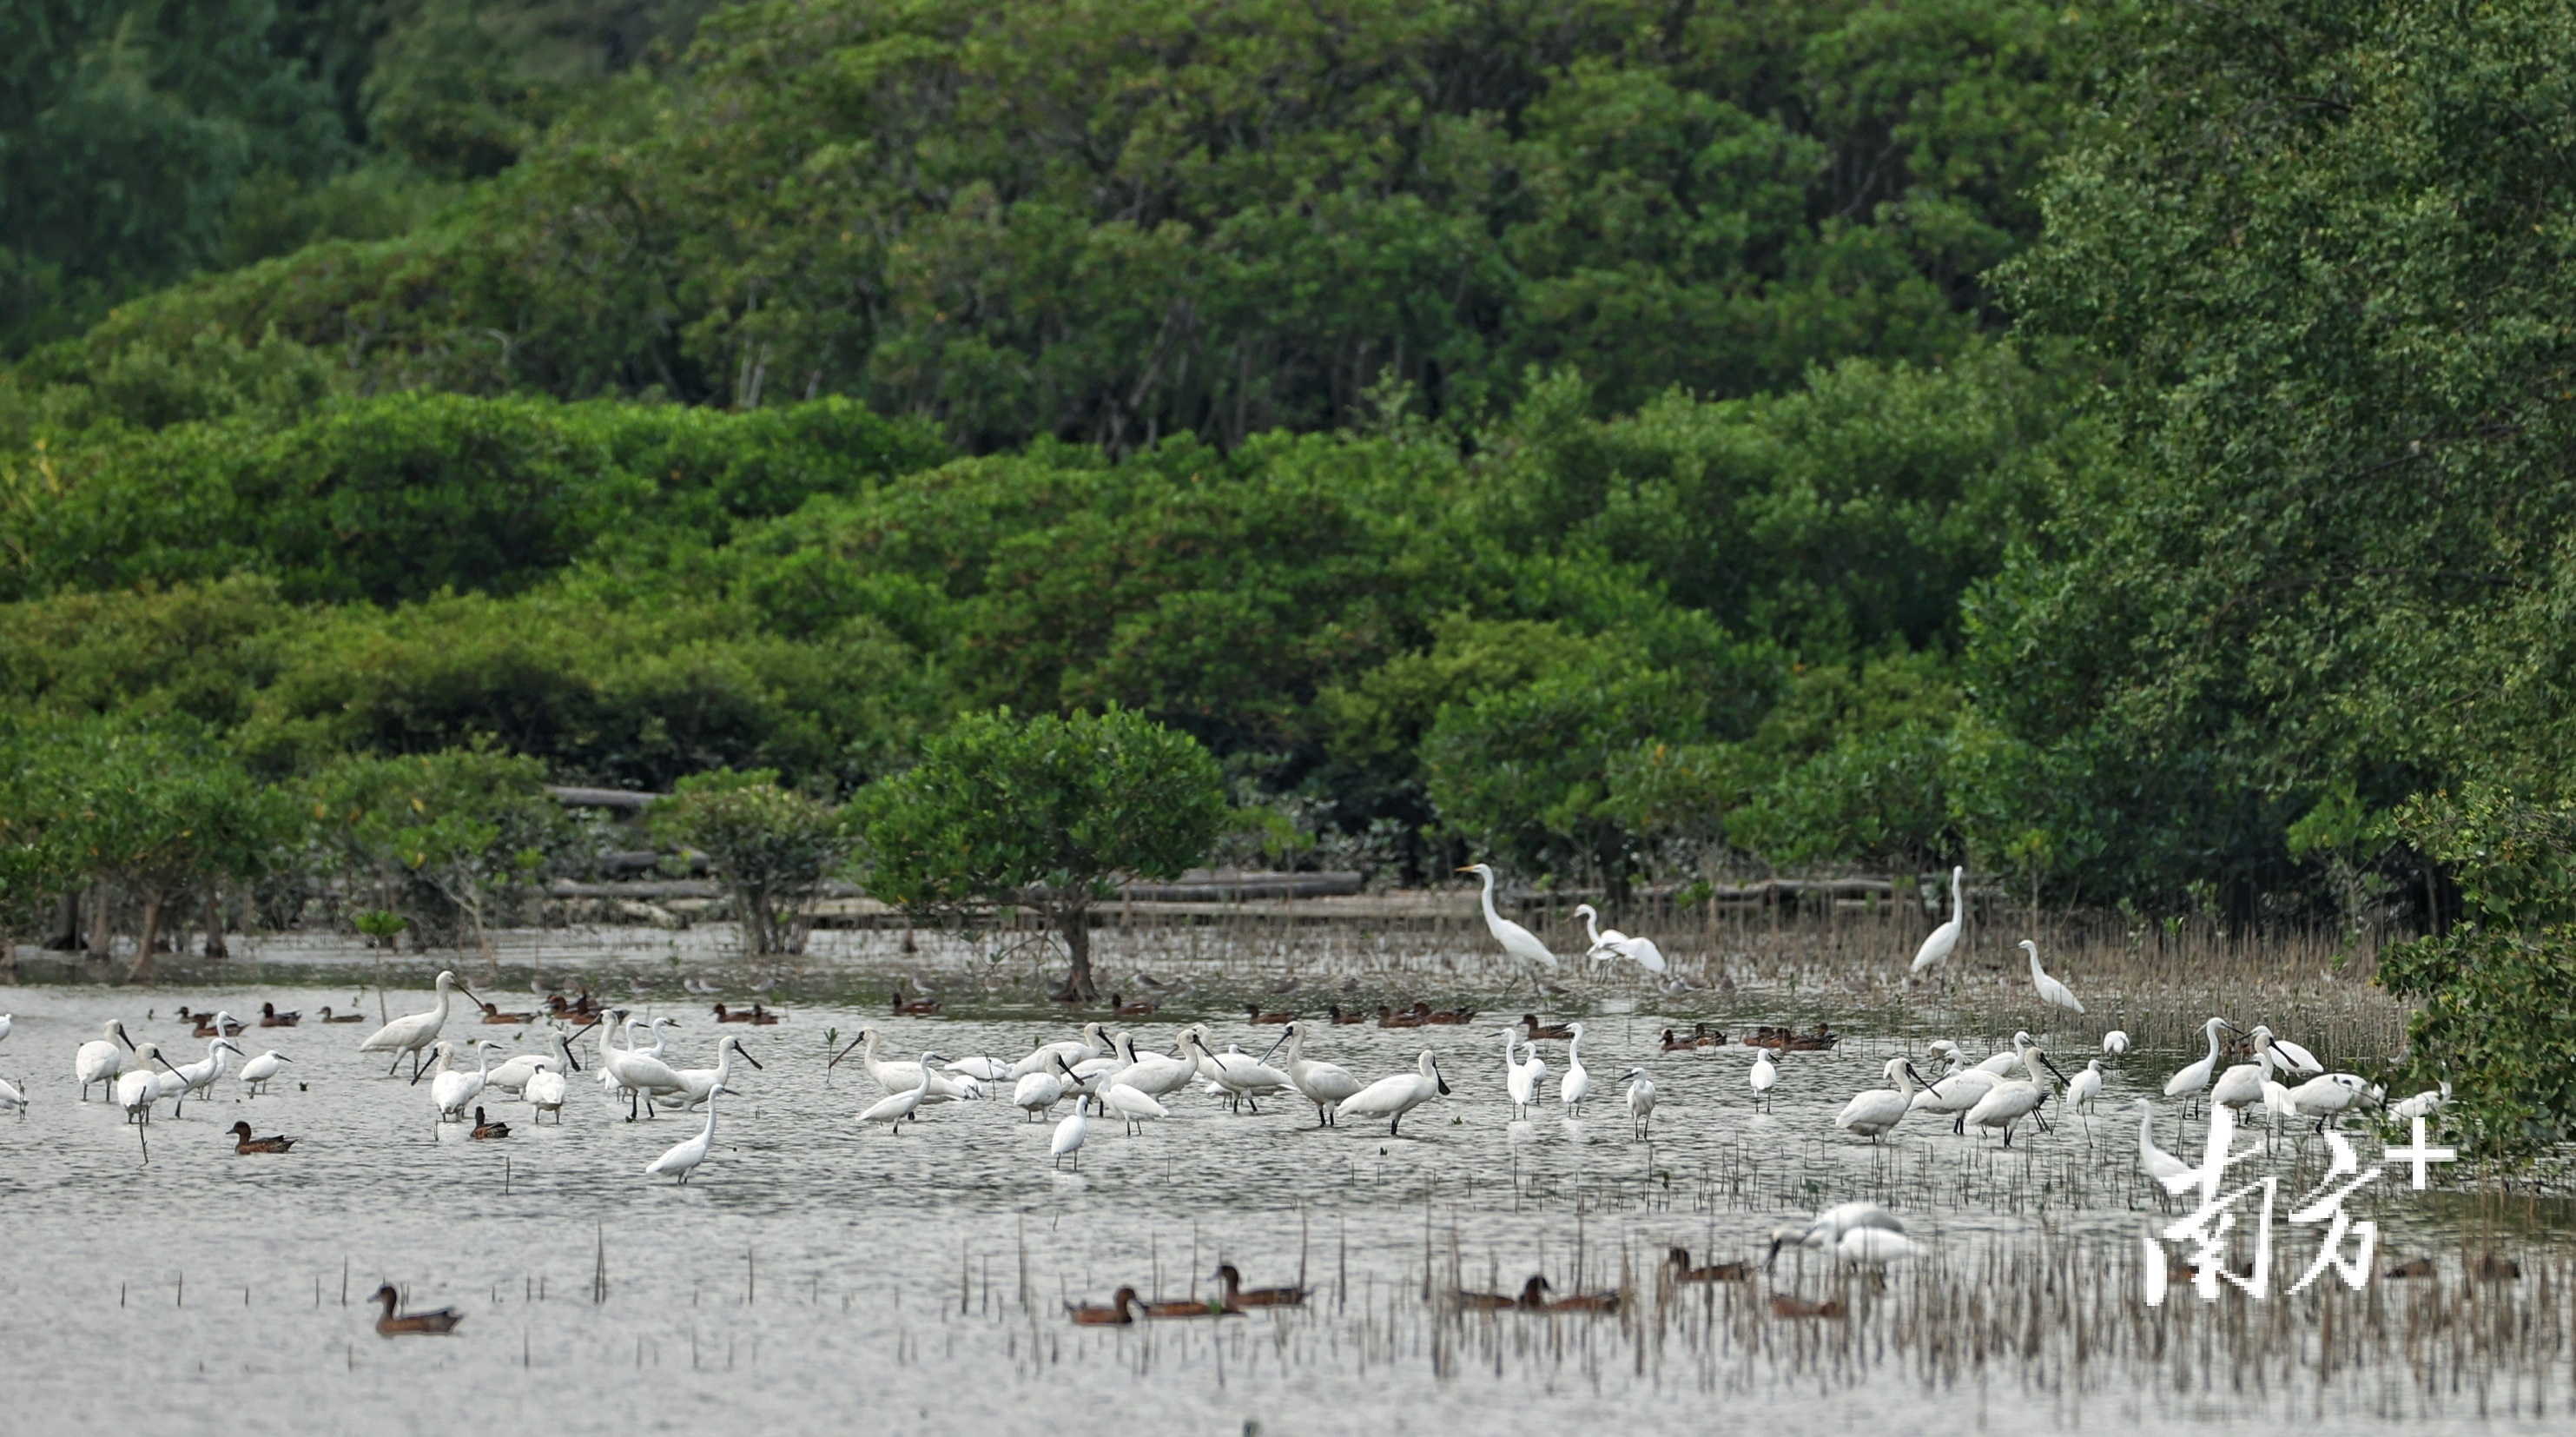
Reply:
x=436 y=1323
x=1238 y=1296
x=245 y=1143
x=484 y=1128
x=1682 y=1271
x=1118 y=1311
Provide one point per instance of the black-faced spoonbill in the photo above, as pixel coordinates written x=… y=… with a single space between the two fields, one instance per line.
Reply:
x=415 y=1032
x=452 y=1090
x=895 y=1109
x=1323 y=1084
x=697 y=1083
x=1394 y=1096
x=101 y=1059
x=1872 y=1112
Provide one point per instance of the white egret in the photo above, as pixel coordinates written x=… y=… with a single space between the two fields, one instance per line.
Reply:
x=1764 y=1077
x=1322 y=1084
x=1394 y=1096
x=1612 y=942
x=2086 y=1087
x=697 y=1083
x=893 y=1109
x=1576 y=1085
x=1516 y=940
x=199 y=1076
x=2193 y=1080
x=259 y=1072
x=1130 y=1106
x=455 y=1091
x=100 y=1059
x=2115 y=1043
x=2170 y=1172
x=414 y=1033
x=2003 y=1063
x=900 y=1077
x=1874 y=1111
x=1067 y=1140
x=683 y=1158
x=1521 y=1080
x=1939 y=943
x=982 y=1070
x=2051 y=992
x=2293 y=1059
x=1641 y=1101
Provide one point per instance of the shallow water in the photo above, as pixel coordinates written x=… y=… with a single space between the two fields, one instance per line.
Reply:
x=816 y=1274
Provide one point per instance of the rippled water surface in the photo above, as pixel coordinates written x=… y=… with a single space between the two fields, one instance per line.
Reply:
x=816 y=1275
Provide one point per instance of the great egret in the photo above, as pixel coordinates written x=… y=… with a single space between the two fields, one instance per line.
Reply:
x=1640 y=951
x=1938 y=943
x=2170 y=1172
x=1516 y=940
x=683 y=1158
x=1873 y=1112
x=1398 y=1094
x=895 y=1108
x=1641 y=1101
x=2051 y=992
x=414 y=1033
x=199 y=1076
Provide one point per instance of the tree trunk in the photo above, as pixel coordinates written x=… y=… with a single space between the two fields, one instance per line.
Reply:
x=66 y=935
x=1075 y=921
x=101 y=937
x=215 y=947
x=141 y=972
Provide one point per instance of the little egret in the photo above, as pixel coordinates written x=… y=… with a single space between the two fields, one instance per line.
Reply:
x=894 y=1109
x=1641 y=1101
x=1874 y=1111
x=1764 y=1077
x=1516 y=940
x=2051 y=992
x=2086 y=1087
x=413 y=1034
x=1521 y=1080
x=2422 y=1105
x=2170 y=1172
x=1130 y=1106
x=1393 y=1097
x=1938 y=944
x=1576 y=1085
x=2115 y=1043
x=683 y=1158
x=2193 y=1080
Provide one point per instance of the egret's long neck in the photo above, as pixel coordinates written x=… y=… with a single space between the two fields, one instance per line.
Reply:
x=1490 y=915
x=2035 y=974
x=709 y=1130
x=1592 y=928
x=483 y=1069
x=1957 y=909
x=1574 y=1051
x=2213 y=1047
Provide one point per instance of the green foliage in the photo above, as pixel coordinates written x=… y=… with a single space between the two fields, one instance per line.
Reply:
x=999 y=806
x=772 y=847
x=2496 y=1018
x=2319 y=254
x=435 y=838
x=1120 y=222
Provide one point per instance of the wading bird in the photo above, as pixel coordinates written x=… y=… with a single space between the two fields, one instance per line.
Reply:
x=101 y=1059
x=414 y=1033
x=1939 y=943
x=895 y=1108
x=1521 y=1080
x=1764 y=1077
x=1067 y=1143
x=259 y=1072
x=1516 y=940
x=696 y=1084
x=1576 y=1085
x=2193 y=1079
x=1641 y=1101
x=2051 y=992
x=683 y=1158
x=1322 y=1084
x=1611 y=943
x=1874 y=1111
x=454 y=1091
x=1394 y=1096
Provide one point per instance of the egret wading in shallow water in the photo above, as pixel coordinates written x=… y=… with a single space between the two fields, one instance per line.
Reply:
x=2086 y=1087
x=2114 y=1043
x=1942 y=941
x=683 y=1158
x=1394 y=1096
x=1067 y=1141
x=2051 y=992
x=1641 y=1101
x=1764 y=1077
x=894 y=1109
x=2169 y=1172
x=2193 y=1079
x=1521 y=1080
x=1576 y=1085
x=1516 y=940
x=414 y=1033
x=199 y=1076
x=455 y=1091
x=1873 y=1112
x=1830 y=1226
